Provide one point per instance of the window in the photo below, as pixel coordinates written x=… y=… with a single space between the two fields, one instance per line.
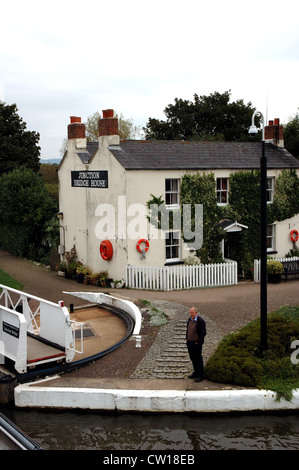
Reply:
x=171 y=192
x=172 y=245
x=222 y=186
x=270 y=189
x=270 y=237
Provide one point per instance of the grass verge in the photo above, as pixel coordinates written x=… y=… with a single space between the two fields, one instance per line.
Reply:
x=8 y=281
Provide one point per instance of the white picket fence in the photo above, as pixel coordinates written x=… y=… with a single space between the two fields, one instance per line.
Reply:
x=167 y=278
x=257 y=270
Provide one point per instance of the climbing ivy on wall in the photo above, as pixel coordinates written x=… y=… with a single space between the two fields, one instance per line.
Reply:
x=244 y=206
x=286 y=197
x=200 y=189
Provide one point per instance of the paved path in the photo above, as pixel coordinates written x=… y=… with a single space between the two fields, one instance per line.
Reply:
x=168 y=357
x=230 y=307
x=225 y=309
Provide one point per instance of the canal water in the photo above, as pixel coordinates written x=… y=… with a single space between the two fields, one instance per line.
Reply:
x=85 y=430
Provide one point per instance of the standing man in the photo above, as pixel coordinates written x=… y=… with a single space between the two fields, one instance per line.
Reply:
x=196 y=331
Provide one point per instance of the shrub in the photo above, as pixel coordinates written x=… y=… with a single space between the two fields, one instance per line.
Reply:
x=274 y=267
x=157 y=317
x=238 y=359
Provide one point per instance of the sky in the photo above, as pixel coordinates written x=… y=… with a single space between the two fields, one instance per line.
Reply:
x=73 y=57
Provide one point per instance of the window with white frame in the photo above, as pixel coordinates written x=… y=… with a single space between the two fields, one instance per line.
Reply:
x=172 y=246
x=172 y=192
x=222 y=188
x=270 y=237
x=270 y=190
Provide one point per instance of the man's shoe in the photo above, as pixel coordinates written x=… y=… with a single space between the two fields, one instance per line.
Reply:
x=191 y=376
x=198 y=379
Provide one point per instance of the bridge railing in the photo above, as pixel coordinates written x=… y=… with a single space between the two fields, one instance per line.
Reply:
x=26 y=313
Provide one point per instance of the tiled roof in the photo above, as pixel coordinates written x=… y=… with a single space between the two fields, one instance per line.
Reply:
x=161 y=155
x=85 y=155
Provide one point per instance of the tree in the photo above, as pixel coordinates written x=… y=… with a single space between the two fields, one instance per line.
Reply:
x=17 y=145
x=49 y=173
x=126 y=127
x=211 y=117
x=291 y=136
x=25 y=210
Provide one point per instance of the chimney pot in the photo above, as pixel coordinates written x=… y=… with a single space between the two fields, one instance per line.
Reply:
x=108 y=125
x=76 y=129
x=108 y=113
x=75 y=119
x=274 y=133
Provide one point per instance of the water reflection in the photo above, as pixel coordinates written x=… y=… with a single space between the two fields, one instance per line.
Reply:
x=55 y=430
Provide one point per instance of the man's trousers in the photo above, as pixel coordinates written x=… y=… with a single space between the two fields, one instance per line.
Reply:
x=195 y=353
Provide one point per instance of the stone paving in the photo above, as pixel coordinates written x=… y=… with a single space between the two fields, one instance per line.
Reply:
x=224 y=309
x=168 y=357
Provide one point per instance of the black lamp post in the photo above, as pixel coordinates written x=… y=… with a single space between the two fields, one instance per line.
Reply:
x=263 y=222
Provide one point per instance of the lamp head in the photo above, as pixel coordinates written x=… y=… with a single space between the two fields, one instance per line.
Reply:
x=253 y=130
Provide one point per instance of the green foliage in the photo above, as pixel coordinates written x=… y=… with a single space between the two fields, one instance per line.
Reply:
x=7 y=280
x=157 y=317
x=26 y=207
x=238 y=359
x=274 y=267
x=244 y=203
x=52 y=231
x=200 y=189
x=17 y=145
x=291 y=136
x=49 y=174
x=157 y=208
x=244 y=206
x=286 y=198
x=211 y=117
x=126 y=127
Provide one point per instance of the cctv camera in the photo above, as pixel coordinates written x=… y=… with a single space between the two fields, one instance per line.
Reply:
x=253 y=130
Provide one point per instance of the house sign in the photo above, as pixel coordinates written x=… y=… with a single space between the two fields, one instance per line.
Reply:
x=89 y=179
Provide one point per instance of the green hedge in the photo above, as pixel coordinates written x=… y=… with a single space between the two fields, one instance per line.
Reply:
x=238 y=359
x=22 y=241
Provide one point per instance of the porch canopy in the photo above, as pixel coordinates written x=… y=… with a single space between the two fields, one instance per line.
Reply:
x=231 y=226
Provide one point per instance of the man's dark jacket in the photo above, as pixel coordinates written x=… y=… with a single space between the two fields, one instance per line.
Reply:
x=200 y=328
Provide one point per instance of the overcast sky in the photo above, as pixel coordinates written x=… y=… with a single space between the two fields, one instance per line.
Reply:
x=71 y=57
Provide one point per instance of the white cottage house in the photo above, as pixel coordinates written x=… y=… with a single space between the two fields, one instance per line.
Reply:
x=104 y=187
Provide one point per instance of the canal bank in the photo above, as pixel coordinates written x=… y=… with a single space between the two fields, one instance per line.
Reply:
x=45 y=394
x=140 y=379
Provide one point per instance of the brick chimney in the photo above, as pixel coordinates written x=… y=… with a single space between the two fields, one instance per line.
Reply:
x=76 y=131
x=274 y=133
x=108 y=125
